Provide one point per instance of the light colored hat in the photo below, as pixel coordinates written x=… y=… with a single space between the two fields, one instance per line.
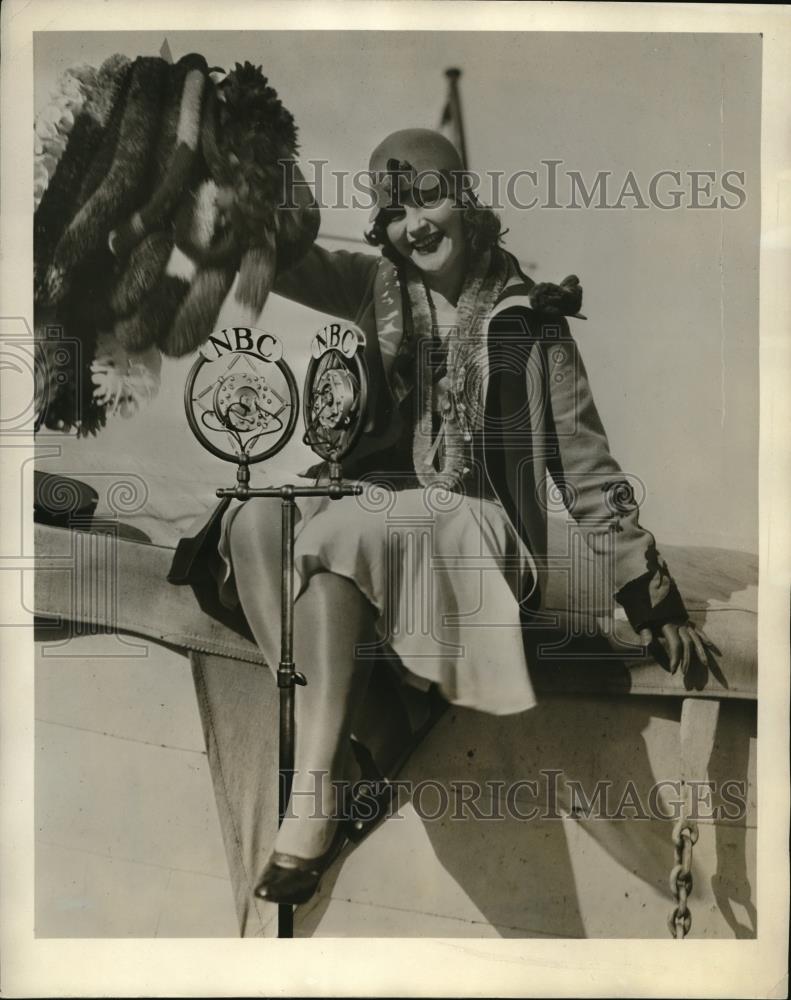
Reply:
x=418 y=161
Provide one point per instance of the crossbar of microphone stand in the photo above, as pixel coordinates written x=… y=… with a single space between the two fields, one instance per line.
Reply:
x=333 y=490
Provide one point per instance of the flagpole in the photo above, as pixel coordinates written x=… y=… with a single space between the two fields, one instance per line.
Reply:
x=453 y=113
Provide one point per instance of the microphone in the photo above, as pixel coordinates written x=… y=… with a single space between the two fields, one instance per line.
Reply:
x=336 y=393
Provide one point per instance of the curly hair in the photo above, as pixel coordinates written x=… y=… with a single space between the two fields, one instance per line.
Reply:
x=482 y=231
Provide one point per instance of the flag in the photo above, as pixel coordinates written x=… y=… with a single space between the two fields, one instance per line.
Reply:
x=451 y=124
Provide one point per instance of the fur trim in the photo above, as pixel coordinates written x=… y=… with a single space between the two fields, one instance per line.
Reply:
x=188 y=131
x=152 y=321
x=204 y=216
x=109 y=105
x=145 y=267
x=201 y=229
x=457 y=393
x=113 y=72
x=60 y=200
x=256 y=277
x=176 y=175
x=148 y=260
x=181 y=266
x=209 y=136
x=198 y=312
x=65 y=362
x=123 y=182
x=63 y=195
x=134 y=181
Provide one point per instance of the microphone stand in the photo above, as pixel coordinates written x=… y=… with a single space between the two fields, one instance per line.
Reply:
x=287 y=674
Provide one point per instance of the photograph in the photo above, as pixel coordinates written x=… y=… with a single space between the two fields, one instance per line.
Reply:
x=390 y=467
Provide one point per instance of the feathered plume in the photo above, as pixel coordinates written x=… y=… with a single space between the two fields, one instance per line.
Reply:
x=248 y=141
x=65 y=192
x=122 y=185
x=177 y=147
x=155 y=184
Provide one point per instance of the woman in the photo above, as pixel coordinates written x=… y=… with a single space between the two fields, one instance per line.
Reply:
x=477 y=392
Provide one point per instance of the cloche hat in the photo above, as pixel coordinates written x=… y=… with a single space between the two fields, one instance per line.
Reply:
x=418 y=161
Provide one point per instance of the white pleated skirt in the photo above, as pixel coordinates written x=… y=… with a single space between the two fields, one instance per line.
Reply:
x=444 y=573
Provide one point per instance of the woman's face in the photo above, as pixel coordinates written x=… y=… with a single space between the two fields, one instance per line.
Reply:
x=431 y=236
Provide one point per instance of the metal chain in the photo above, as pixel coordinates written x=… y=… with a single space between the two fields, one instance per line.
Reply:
x=685 y=835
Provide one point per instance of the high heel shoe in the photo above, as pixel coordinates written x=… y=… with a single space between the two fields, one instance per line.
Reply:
x=293 y=880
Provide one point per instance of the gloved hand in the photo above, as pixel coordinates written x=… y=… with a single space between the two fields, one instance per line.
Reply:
x=681 y=643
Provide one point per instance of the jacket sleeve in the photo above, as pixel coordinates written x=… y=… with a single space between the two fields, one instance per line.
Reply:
x=330 y=281
x=598 y=494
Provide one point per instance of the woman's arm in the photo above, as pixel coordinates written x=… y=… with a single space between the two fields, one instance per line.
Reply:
x=334 y=282
x=600 y=498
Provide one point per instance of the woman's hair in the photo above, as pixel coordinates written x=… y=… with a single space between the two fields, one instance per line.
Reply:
x=482 y=231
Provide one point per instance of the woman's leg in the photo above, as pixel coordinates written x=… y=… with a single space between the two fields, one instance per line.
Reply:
x=330 y=618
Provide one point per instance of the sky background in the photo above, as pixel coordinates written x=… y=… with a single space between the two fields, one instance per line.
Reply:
x=671 y=341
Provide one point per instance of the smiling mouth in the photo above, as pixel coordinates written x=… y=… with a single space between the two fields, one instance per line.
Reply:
x=428 y=245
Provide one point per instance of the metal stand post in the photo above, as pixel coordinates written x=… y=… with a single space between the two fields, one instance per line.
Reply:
x=287 y=677
x=287 y=674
